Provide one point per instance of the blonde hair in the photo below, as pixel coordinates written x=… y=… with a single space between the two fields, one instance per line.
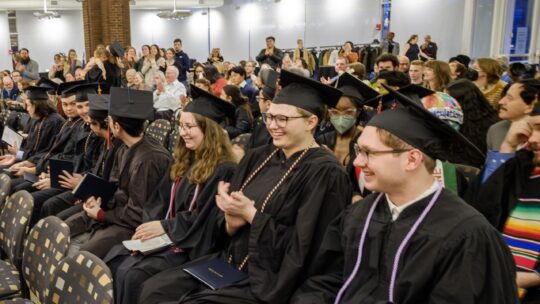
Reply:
x=417 y=62
x=396 y=143
x=215 y=149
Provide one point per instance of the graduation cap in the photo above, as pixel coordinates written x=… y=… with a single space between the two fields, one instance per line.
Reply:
x=116 y=49
x=356 y=89
x=306 y=93
x=37 y=93
x=47 y=83
x=424 y=131
x=270 y=84
x=64 y=89
x=209 y=105
x=388 y=101
x=129 y=103
x=81 y=91
x=99 y=106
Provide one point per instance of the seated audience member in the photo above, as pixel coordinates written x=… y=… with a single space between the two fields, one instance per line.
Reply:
x=436 y=75
x=283 y=196
x=203 y=158
x=507 y=192
x=204 y=84
x=403 y=64
x=238 y=78
x=411 y=231
x=340 y=67
x=516 y=104
x=457 y=70
x=9 y=90
x=358 y=70
x=242 y=121
x=168 y=93
x=416 y=72
x=216 y=79
x=489 y=79
x=145 y=162
x=478 y=114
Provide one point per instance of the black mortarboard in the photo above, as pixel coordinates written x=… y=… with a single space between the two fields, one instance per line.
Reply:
x=424 y=131
x=81 y=91
x=209 y=105
x=270 y=84
x=129 y=103
x=47 y=83
x=306 y=93
x=116 y=49
x=99 y=106
x=356 y=89
x=388 y=101
x=64 y=89
x=37 y=93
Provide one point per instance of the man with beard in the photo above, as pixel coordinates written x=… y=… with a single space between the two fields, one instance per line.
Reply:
x=507 y=192
x=28 y=68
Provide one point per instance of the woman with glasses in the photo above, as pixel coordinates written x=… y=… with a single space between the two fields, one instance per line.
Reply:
x=275 y=210
x=203 y=157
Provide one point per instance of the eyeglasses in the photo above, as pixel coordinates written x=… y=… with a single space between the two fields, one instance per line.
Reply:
x=349 y=112
x=186 y=127
x=364 y=154
x=281 y=120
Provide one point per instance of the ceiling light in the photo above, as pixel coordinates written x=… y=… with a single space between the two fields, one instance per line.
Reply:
x=174 y=14
x=45 y=14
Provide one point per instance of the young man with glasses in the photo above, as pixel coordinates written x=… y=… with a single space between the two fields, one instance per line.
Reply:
x=411 y=241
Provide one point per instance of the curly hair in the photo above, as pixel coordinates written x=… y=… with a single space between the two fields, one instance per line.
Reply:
x=215 y=149
x=478 y=114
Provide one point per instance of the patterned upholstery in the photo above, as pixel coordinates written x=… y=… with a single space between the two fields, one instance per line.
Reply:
x=159 y=129
x=83 y=278
x=10 y=284
x=14 y=221
x=17 y=301
x=13 y=226
x=173 y=140
x=46 y=245
x=5 y=186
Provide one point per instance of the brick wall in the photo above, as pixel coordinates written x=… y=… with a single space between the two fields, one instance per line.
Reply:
x=105 y=21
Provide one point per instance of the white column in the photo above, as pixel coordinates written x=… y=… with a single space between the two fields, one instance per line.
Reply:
x=498 y=27
x=468 y=26
x=534 y=51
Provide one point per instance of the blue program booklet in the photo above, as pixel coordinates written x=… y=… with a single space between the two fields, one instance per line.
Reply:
x=215 y=273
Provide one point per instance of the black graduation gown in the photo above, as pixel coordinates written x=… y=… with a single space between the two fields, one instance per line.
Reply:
x=329 y=139
x=113 y=77
x=498 y=196
x=193 y=231
x=240 y=125
x=281 y=242
x=455 y=256
x=144 y=166
x=259 y=135
x=48 y=128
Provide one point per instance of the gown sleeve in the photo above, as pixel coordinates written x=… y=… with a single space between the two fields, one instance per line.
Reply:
x=280 y=255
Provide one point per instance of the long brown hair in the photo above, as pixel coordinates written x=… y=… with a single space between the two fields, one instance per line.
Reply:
x=442 y=73
x=215 y=149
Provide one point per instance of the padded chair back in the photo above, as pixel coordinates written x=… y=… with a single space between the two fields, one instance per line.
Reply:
x=14 y=221
x=46 y=245
x=173 y=140
x=159 y=129
x=5 y=187
x=83 y=278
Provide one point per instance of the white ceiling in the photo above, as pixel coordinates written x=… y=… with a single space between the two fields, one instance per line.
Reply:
x=76 y=5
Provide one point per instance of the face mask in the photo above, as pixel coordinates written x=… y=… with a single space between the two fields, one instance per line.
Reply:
x=343 y=123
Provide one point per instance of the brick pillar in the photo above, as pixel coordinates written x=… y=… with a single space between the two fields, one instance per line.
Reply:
x=105 y=21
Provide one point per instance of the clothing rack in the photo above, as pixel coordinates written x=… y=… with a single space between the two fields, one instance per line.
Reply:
x=317 y=48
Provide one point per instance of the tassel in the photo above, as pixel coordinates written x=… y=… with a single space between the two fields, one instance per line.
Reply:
x=379 y=106
x=108 y=143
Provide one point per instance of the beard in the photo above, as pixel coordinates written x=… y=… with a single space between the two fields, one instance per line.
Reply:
x=25 y=61
x=535 y=148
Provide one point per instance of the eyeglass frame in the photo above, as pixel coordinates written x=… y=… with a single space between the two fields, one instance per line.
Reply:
x=365 y=153
x=186 y=127
x=274 y=118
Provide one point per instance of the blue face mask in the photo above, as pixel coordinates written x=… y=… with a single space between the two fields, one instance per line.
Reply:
x=343 y=123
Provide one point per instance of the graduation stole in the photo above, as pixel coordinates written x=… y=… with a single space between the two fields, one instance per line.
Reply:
x=445 y=174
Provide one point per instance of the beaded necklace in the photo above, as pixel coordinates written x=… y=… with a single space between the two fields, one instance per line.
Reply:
x=38 y=135
x=279 y=183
